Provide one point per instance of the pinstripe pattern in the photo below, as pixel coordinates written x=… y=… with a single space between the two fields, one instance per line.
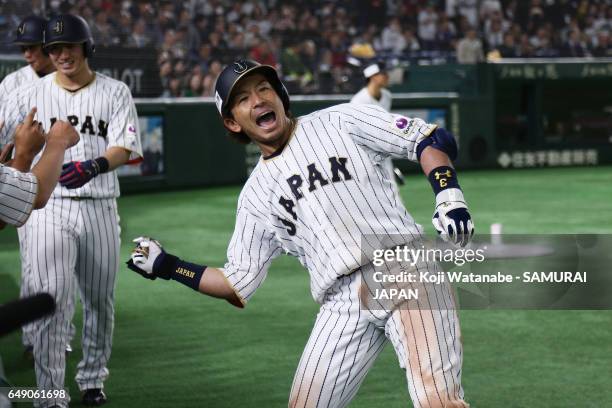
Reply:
x=105 y=112
x=326 y=199
x=26 y=289
x=65 y=237
x=72 y=245
x=332 y=218
x=341 y=349
x=17 y=194
x=363 y=97
x=24 y=75
x=346 y=340
x=12 y=81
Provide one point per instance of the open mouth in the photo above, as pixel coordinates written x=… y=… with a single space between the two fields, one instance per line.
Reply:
x=66 y=64
x=266 y=119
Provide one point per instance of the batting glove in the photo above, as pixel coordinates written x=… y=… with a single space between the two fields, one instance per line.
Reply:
x=77 y=173
x=148 y=259
x=451 y=218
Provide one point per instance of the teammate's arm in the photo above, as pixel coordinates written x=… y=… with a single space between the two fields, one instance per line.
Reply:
x=62 y=136
x=29 y=139
x=250 y=252
x=215 y=284
x=151 y=261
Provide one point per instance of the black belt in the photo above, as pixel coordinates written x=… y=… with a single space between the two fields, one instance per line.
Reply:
x=80 y=198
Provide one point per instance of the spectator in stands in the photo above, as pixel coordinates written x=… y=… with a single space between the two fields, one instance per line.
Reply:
x=124 y=28
x=488 y=8
x=236 y=44
x=174 y=87
x=465 y=8
x=494 y=35
x=540 y=39
x=263 y=53
x=215 y=68
x=427 y=20
x=542 y=43
x=371 y=12
x=411 y=43
x=510 y=12
x=525 y=50
x=195 y=86
x=198 y=32
x=208 y=85
x=296 y=73
x=446 y=34
x=140 y=37
x=102 y=32
x=204 y=56
x=251 y=35
x=469 y=48
x=179 y=68
x=309 y=55
x=234 y=13
x=575 y=46
x=602 y=48
x=392 y=38
x=508 y=48
x=337 y=49
x=165 y=71
x=535 y=16
x=218 y=46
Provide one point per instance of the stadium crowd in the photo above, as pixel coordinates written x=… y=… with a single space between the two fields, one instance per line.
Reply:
x=311 y=41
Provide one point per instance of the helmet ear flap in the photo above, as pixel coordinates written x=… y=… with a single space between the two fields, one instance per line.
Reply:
x=88 y=49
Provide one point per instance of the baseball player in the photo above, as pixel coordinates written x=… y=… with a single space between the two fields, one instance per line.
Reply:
x=316 y=191
x=29 y=36
x=376 y=93
x=77 y=233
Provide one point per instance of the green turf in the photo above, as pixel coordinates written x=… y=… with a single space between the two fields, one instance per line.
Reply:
x=176 y=348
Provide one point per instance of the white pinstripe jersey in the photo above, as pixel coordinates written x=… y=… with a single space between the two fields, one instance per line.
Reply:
x=24 y=75
x=321 y=194
x=103 y=112
x=17 y=194
x=364 y=97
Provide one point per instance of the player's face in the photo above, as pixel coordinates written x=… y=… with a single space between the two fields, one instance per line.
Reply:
x=258 y=111
x=68 y=59
x=383 y=79
x=35 y=57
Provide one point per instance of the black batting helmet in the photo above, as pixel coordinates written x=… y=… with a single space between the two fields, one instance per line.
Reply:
x=69 y=29
x=235 y=71
x=30 y=31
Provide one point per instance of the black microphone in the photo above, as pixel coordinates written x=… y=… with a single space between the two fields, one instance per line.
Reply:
x=16 y=313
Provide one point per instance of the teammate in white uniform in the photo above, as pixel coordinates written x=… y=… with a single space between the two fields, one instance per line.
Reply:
x=29 y=37
x=376 y=93
x=77 y=233
x=316 y=193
